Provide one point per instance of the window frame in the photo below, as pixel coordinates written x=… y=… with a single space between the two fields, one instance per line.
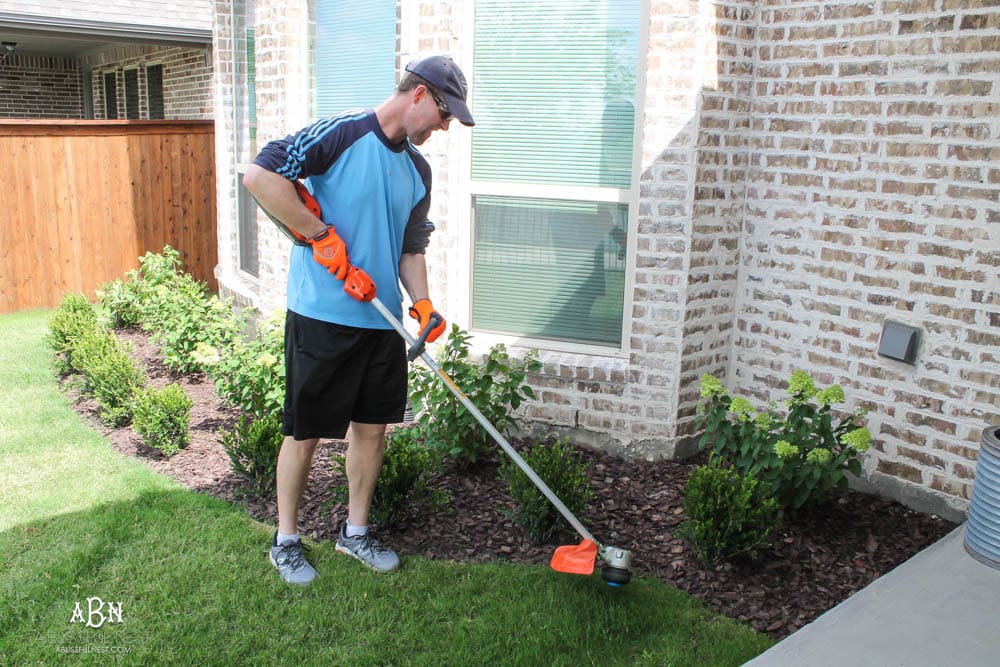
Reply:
x=244 y=149
x=134 y=69
x=113 y=73
x=462 y=276
x=163 y=102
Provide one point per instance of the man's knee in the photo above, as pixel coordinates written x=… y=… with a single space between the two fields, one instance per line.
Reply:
x=301 y=449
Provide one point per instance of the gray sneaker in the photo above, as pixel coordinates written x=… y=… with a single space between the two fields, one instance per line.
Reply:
x=369 y=551
x=291 y=563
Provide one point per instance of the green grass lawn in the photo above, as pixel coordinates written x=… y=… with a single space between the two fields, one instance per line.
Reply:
x=78 y=521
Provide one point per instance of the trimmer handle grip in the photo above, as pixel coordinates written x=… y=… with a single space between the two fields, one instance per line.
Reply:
x=359 y=285
x=418 y=345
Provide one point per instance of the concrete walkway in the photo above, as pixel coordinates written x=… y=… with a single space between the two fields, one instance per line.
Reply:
x=940 y=608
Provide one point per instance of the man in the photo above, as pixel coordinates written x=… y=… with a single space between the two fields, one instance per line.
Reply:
x=344 y=365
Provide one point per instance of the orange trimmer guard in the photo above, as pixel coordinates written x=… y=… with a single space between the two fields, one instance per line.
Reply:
x=575 y=558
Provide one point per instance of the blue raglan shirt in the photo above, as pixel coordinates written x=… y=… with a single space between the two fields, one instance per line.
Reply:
x=375 y=193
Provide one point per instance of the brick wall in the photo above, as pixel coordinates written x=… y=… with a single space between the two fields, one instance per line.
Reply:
x=40 y=87
x=187 y=79
x=808 y=170
x=873 y=195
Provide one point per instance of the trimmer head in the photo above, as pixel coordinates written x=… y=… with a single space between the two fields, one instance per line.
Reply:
x=581 y=559
x=616 y=566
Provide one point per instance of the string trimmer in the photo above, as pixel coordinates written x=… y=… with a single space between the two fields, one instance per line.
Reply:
x=572 y=558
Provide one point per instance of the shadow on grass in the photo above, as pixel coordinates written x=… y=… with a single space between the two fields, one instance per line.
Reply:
x=193 y=582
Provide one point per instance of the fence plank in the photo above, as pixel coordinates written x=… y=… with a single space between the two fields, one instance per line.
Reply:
x=85 y=199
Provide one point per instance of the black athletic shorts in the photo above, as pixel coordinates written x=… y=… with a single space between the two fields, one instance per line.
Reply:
x=337 y=374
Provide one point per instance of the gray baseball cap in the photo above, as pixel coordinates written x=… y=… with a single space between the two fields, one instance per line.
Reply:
x=442 y=73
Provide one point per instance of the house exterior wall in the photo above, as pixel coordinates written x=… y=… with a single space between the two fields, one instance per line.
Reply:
x=40 y=87
x=176 y=14
x=52 y=87
x=187 y=79
x=873 y=195
x=807 y=171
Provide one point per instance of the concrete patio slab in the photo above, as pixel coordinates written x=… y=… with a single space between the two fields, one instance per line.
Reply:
x=941 y=607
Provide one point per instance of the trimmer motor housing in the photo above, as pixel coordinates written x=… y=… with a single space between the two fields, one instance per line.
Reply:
x=617 y=562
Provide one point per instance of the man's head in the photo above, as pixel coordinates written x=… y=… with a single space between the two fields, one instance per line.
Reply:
x=445 y=83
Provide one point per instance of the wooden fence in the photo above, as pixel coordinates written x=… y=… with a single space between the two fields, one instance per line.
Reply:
x=82 y=200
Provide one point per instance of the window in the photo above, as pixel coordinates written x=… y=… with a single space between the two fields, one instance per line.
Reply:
x=132 y=93
x=252 y=87
x=355 y=54
x=154 y=91
x=110 y=96
x=88 y=92
x=245 y=117
x=247 y=218
x=554 y=85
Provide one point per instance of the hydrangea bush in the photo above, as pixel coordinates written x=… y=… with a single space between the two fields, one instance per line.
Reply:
x=803 y=454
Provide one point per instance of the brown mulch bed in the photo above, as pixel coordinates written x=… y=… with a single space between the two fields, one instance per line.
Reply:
x=819 y=559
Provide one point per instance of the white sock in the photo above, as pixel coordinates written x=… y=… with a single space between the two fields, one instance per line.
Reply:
x=281 y=538
x=355 y=531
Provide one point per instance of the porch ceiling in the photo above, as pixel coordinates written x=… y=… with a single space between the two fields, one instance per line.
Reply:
x=34 y=44
x=55 y=36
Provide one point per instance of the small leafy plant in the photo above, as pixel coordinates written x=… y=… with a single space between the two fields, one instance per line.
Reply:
x=565 y=471
x=162 y=418
x=121 y=301
x=802 y=456
x=73 y=318
x=176 y=309
x=407 y=469
x=496 y=387
x=249 y=372
x=189 y=318
x=252 y=446
x=727 y=514
x=109 y=373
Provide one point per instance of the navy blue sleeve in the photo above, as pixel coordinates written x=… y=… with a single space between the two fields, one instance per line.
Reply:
x=314 y=148
x=417 y=235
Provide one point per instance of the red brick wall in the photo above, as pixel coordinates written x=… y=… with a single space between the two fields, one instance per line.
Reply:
x=187 y=79
x=39 y=87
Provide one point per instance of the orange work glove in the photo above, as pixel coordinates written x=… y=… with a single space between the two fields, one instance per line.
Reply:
x=331 y=252
x=421 y=311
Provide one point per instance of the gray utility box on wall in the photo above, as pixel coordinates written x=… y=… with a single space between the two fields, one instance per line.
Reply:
x=899 y=341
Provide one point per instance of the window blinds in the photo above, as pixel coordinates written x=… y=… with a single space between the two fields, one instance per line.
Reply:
x=355 y=54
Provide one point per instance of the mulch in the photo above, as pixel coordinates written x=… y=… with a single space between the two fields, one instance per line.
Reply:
x=818 y=560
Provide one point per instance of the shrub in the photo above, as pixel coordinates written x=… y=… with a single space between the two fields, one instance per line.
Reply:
x=496 y=387
x=564 y=471
x=249 y=373
x=110 y=374
x=253 y=446
x=407 y=468
x=727 y=514
x=162 y=417
x=74 y=317
x=121 y=301
x=803 y=456
x=178 y=311
x=188 y=318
